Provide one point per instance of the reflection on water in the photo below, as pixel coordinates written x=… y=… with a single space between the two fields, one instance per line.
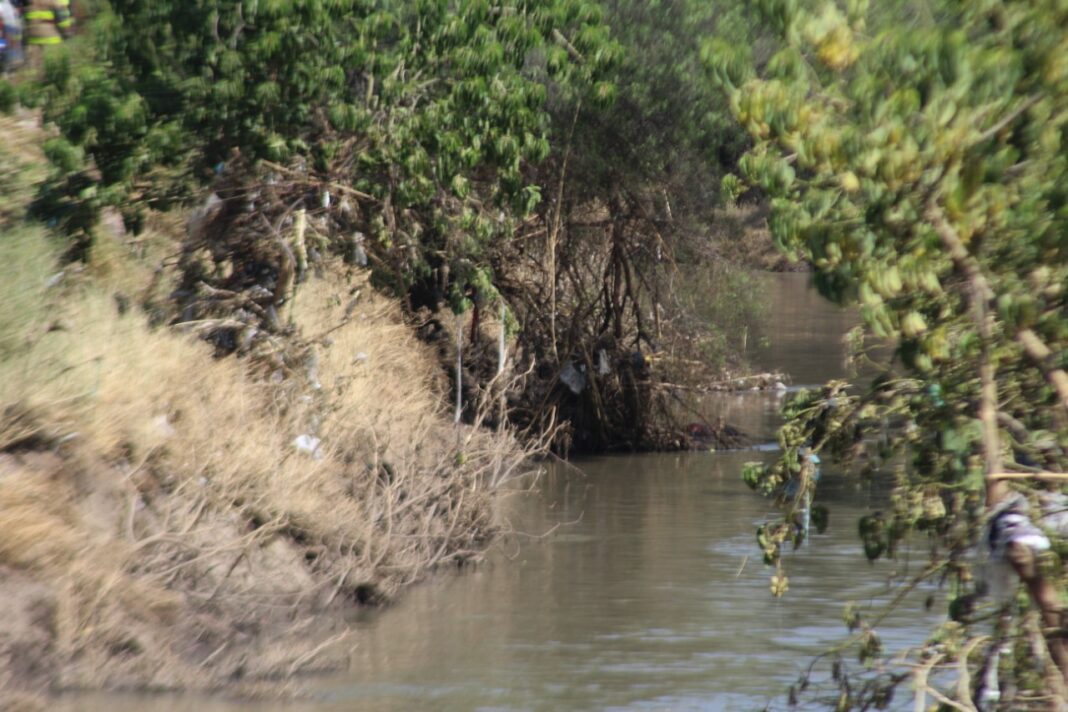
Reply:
x=646 y=591
x=803 y=334
x=802 y=338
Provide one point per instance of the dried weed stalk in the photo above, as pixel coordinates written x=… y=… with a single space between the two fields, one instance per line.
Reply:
x=188 y=520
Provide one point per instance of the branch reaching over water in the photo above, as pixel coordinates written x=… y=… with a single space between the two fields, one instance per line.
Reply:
x=1042 y=591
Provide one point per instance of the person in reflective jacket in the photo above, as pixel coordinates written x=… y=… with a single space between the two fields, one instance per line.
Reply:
x=65 y=19
x=48 y=22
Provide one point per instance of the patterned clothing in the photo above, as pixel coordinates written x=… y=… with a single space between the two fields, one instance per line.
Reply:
x=48 y=22
x=1013 y=522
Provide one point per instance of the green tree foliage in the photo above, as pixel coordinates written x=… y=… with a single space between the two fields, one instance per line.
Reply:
x=627 y=195
x=668 y=129
x=920 y=166
x=431 y=136
x=425 y=112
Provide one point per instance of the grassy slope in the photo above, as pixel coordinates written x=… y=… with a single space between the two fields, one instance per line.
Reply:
x=158 y=528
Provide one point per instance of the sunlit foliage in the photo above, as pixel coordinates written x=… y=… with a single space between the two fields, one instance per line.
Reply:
x=431 y=110
x=919 y=164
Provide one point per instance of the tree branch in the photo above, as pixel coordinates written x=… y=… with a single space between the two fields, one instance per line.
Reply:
x=566 y=44
x=1041 y=354
x=1041 y=476
x=1042 y=591
x=980 y=296
x=1008 y=119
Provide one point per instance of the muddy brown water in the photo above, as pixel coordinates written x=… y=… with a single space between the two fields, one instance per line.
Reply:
x=634 y=582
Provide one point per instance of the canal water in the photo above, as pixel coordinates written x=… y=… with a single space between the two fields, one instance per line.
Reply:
x=630 y=582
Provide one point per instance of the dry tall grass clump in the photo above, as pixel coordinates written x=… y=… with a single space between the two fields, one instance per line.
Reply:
x=168 y=519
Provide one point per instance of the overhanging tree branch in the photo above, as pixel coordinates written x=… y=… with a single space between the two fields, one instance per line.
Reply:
x=980 y=295
x=1042 y=591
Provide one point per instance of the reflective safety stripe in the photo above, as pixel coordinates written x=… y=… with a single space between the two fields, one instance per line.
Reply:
x=65 y=23
x=44 y=40
x=41 y=15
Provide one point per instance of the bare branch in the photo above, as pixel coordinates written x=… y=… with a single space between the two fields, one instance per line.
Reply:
x=1008 y=119
x=1041 y=476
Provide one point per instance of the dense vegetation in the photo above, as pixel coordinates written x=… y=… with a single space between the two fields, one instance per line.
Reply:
x=177 y=521
x=426 y=116
x=468 y=151
x=562 y=160
x=920 y=166
x=629 y=197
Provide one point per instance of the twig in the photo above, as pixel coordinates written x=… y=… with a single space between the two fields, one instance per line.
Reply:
x=922 y=688
x=214 y=654
x=1008 y=119
x=575 y=54
x=204 y=324
x=1041 y=354
x=554 y=229
x=745 y=560
x=964 y=680
x=948 y=702
x=1051 y=671
x=981 y=294
x=311 y=654
x=340 y=584
x=335 y=186
x=226 y=576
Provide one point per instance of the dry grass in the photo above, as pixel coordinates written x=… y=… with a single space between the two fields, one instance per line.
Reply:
x=22 y=164
x=158 y=495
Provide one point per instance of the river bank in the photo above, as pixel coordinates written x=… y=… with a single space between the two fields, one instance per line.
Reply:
x=177 y=521
x=173 y=520
x=633 y=581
